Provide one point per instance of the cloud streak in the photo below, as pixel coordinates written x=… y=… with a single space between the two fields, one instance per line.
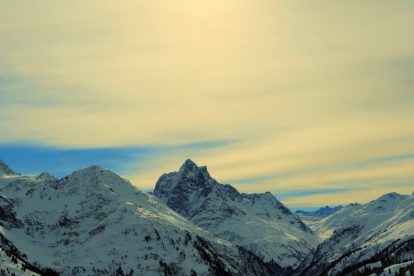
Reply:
x=311 y=95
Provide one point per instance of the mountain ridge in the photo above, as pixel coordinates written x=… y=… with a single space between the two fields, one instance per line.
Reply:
x=6 y=170
x=221 y=209
x=367 y=237
x=95 y=222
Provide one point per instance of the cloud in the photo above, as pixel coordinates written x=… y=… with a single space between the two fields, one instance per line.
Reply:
x=305 y=92
x=301 y=193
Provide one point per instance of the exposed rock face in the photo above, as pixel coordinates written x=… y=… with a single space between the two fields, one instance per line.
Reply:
x=7 y=215
x=258 y=222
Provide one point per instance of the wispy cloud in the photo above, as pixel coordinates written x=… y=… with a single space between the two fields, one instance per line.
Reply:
x=300 y=193
x=311 y=95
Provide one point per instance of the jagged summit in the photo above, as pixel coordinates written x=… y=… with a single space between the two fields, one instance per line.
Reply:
x=5 y=169
x=188 y=165
x=283 y=238
x=190 y=169
x=190 y=177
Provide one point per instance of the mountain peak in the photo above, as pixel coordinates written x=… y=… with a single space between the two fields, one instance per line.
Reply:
x=189 y=169
x=5 y=170
x=188 y=165
x=235 y=216
x=46 y=176
x=391 y=196
x=94 y=208
x=90 y=171
x=93 y=168
x=190 y=177
x=94 y=174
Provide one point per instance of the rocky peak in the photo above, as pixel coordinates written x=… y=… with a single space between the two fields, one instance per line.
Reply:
x=391 y=197
x=188 y=166
x=178 y=189
x=190 y=178
x=235 y=216
x=5 y=170
x=190 y=170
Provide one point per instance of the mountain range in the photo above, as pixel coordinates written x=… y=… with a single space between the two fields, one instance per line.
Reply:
x=320 y=213
x=94 y=222
x=369 y=238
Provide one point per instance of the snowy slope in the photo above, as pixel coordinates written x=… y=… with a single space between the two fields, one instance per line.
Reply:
x=320 y=213
x=258 y=222
x=9 y=265
x=362 y=235
x=94 y=222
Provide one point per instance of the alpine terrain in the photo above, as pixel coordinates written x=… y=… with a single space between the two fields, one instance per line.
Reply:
x=93 y=222
x=258 y=222
x=370 y=238
x=318 y=214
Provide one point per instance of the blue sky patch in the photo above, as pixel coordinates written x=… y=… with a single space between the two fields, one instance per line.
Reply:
x=33 y=159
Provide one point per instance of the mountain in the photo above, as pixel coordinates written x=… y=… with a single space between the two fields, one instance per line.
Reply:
x=258 y=222
x=5 y=170
x=93 y=222
x=368 y=238
x=321 y=212
x=10 y=265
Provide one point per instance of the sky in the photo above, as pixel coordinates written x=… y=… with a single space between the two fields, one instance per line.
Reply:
x=311 y=100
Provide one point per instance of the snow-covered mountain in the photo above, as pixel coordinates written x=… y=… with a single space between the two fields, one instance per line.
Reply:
x=93 y=222
x=258 y=222
x=321 y=212
x=367 y=238
x=5 y=170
